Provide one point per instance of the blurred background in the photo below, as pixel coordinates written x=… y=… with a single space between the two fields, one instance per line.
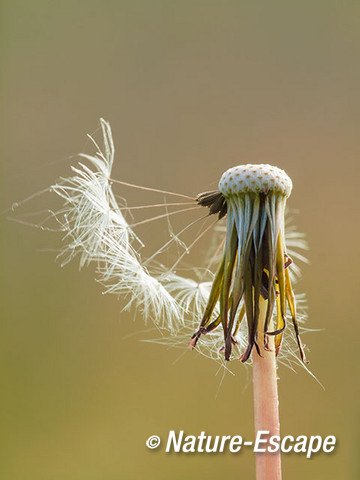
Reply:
x=190 y=88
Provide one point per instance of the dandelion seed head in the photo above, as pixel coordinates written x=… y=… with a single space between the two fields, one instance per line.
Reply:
x=254 y=267
x=222 y=308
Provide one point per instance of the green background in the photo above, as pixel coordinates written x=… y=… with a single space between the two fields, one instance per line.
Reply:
x=191 y=88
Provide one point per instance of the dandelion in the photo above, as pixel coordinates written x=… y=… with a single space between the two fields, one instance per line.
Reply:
x=254 y=268
x=243 y=307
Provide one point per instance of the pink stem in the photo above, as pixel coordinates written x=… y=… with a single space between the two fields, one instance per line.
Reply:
x=266 y=403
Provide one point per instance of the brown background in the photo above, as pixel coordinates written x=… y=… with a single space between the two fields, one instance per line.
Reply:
x=190 y=88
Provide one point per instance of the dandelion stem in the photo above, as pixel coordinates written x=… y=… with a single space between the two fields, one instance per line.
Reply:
x=266 y=403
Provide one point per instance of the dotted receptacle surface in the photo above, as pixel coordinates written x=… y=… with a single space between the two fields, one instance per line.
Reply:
x=260 y=178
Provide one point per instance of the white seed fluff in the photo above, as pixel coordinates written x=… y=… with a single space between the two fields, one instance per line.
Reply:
x=96 y=230
x=260 y=178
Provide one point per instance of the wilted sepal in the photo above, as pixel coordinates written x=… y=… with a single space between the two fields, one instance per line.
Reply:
x=254 y=265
